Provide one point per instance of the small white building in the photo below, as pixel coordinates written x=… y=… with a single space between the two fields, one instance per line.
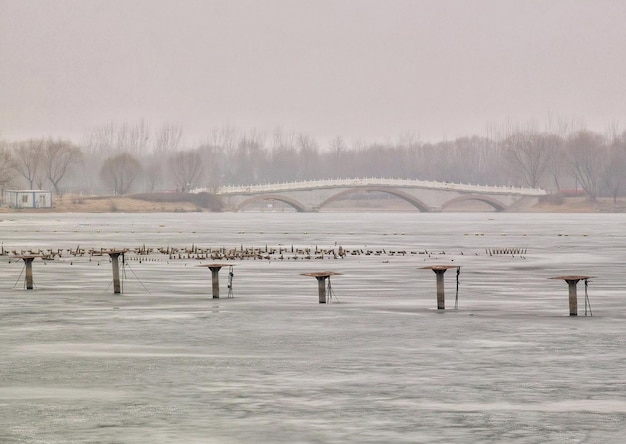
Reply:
x=28 y=198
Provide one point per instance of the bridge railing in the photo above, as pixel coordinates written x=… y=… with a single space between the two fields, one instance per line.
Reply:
x=371 y=181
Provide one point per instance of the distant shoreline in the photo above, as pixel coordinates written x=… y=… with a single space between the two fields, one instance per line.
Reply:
x=130 y=204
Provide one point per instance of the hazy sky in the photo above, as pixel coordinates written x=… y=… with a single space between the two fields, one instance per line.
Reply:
x=361 y=69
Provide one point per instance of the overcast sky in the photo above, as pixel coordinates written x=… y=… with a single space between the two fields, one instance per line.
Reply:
x=362 y=69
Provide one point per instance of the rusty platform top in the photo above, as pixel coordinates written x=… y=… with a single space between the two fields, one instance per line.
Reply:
x=572 y=278
x=215 y=265
x=440 y=267
x=114 y=251
x=322 y=274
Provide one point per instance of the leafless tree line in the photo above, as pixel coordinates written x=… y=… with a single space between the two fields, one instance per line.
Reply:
x=119 y=159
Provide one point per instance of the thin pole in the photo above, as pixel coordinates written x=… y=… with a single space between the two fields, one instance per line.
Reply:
x=456 y=299
x=231 y=274
x=587 y=302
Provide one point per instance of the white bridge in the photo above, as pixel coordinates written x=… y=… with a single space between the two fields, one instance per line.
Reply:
x=312 y=195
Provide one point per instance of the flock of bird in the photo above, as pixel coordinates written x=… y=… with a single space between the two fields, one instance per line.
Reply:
x=144 y=253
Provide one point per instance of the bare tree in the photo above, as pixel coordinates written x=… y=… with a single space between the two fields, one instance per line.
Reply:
x=120 y=138
x=529 y=155
x=309 y=158
x=133 y=138
x=58 y=156
x=120 y=172
x=475 y=159
x=167 y=138
x=186 y=167
x=248 y=159
x=27 y=159
x=337 y=157
x=586 y=151
x=283 y=157
x=557 y=165
x=613 y=177
x=7 y=171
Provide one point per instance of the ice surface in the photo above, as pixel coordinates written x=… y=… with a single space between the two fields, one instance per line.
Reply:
x=164 y=362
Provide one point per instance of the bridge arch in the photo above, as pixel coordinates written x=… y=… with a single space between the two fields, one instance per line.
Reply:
x=289 y=201
x=400 y=194
x=494 y=203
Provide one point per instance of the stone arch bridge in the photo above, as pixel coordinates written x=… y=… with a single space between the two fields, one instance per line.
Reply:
x=426 y=196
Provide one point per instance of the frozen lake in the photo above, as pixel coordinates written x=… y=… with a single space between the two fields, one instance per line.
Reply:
x=164 y=362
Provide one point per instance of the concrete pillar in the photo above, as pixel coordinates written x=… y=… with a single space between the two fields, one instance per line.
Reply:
x=28 y=262
x=321 y=277
x=215 y=280
x=573 y=297
x=441 y=297
x=117 y=287
x=572 y=282
x=321 y=288
x=439 y=272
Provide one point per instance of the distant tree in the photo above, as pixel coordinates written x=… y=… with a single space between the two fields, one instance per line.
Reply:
x=613 y=177
x=120 y=172
x=27 y=159
x=337 y=158
x=133 y=138
x=153 y=171
x=120 y=138
x=186 y=168
x=248 y=159
x=283 y=157
x=556 y=159
x=308 y=157
x=167 y=139
x=58 y=156
x=213 y=159
x=587 y=156
x=529 y=155
x=7 y=171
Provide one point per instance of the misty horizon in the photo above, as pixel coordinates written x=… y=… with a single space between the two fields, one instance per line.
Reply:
x=365 y=71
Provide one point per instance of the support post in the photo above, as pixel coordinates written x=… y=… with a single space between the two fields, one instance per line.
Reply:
x=321 y=277
x=439 y=272
x=321 y=288
x=572 y=282
x=28 y=265
x=215 y=279
x=573 y=297
x=441 y=297
x=117 y=287
x=28 y=262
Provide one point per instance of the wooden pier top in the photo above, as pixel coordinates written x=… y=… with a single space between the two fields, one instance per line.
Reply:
x=114 y=251
x=216 y=265
x=440 y=267
x=322 y=274
x=572 y=278
x=27 y=256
